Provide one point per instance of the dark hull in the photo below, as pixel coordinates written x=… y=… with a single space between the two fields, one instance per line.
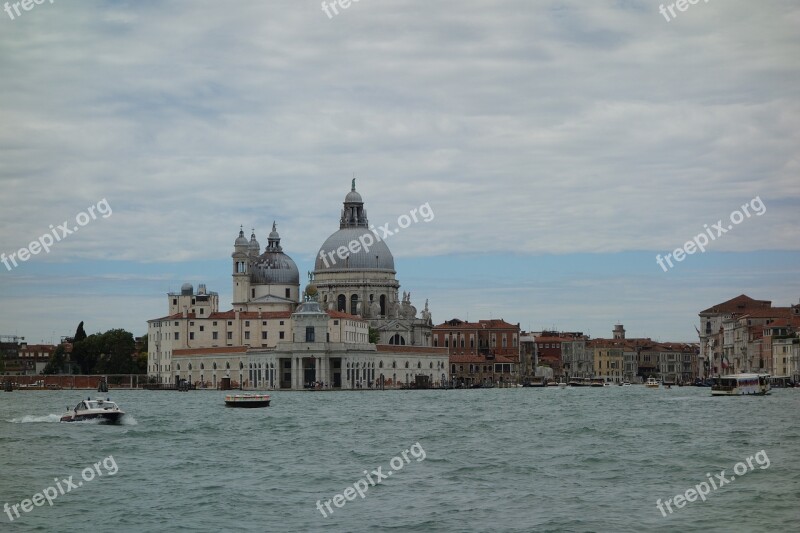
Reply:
x=106 y=418
x=246 y=404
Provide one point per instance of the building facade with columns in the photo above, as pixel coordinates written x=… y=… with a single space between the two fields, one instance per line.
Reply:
x=277 y=338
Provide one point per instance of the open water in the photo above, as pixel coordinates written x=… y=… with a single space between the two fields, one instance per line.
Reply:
x=583 y=459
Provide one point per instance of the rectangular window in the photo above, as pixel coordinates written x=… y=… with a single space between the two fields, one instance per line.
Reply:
x=247 y=335
x=247 y=323
x=288 y=293
x=202 y=328
x=191 y=335
x=230 y=323
x=177 y=335
x=215 y=323
x=202 y=311
x=230 y=335
x=264 y=323
x=280 y=335
x=174 y=301
x=281 y=322
x=263 y=335
x=335 y=322
x=309 y=333
x=214 y=335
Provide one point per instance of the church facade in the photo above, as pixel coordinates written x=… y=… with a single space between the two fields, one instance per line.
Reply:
x=276 y=337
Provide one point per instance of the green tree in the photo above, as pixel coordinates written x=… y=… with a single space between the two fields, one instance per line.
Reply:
x=117 y=349
x=80 y=334
x=57 y=361
x=374 y=336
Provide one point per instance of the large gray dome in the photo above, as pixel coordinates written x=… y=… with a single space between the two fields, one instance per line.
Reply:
x=378 y=257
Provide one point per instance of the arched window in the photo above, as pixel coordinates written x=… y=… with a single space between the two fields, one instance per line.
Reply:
x=397 y=339
x=383 y=305
x=215 y=366
x=431 y=365
x=380 y=365
x=419 y=364
x=342 y=303
x=406 y=364
x=178 y=366
x=202 y=366
x=241 y=365
x=228 y=365
x=354 y=304
x=394 y=364
x=190 y=366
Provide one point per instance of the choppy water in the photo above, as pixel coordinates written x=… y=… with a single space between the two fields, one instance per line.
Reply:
x=495 y=460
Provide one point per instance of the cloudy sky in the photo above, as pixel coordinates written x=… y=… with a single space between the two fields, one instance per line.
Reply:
x=560 y=144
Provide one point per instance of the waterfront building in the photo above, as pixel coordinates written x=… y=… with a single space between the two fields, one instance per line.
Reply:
x=482 y=352
x=576 y=359
x=528 y=355
x=731 y=335
x=274 y=337
x=18 y=358
x=608 y=358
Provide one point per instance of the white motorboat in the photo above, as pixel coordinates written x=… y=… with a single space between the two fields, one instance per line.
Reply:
x=651 y=383
x=88 y=409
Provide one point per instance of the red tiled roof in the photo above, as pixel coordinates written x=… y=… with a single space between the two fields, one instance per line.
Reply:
x=772 y=312
x=496 y=323
x=740 y=304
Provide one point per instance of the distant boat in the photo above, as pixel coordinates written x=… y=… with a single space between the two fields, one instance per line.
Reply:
x=651 y=383
x=742 y=385
x=579 y=382
x=247 y=400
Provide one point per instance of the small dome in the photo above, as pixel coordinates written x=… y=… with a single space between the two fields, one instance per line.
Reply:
x=187 y=288
x=353 y=197
x=254 y=245
x=241 y=240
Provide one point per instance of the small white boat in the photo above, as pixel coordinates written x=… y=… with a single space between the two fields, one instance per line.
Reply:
x=607 y=384
x=105 y=410
x=626 y=383
x=742 y=385
x=562 y=385
x=651 y=383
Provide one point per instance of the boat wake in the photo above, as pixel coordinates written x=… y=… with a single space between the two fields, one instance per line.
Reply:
x=30 y=419
x=128 y=420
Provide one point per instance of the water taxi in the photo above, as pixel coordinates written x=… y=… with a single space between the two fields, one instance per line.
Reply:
x=742 y=385
x=104 y=410
x=651 y=383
